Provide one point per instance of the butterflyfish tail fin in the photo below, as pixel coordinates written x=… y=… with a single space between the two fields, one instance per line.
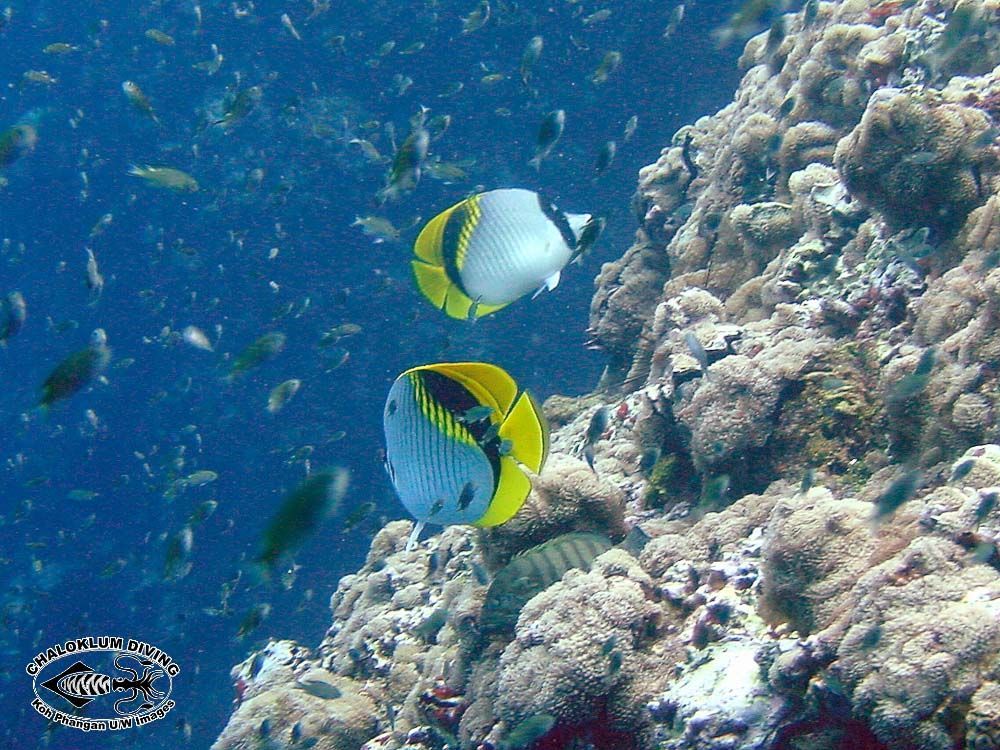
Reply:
x=512 y=491
x=432 y=281
x=528 y=432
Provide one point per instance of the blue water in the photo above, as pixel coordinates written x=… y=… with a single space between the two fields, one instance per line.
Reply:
x=165 y=409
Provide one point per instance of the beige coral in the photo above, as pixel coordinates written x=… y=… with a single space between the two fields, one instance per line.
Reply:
x=923 y=629
x=563 y=660
x=914 y=160
x=815 y=548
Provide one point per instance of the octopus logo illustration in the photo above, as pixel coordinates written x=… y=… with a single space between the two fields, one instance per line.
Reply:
x=136 y=675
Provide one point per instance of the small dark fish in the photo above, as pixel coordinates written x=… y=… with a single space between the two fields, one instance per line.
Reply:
x=77 y=370
x=480 y=574
x=264 y=348
x=592 y=231
x=202 y=512
x=257 y=664
x=296 y=731
x=476 y=414
x=530 y=56
x=615 y=662
x=177 y=563
x=899 y=491
x=807 y=480
x=549 y=133
x=529 y=731
x=775 y=35
x=609 y=64
x=787 y=106
x=609 y=645
x=319 y=689
x=987 y=502
x=911 y=386
x=674 y=22
x=240 y=106
x=698 y=352
x=871 y=638
x=962 y=469
x=713 y=493
x=407 y=165
x=428 y=629
x=810 y=11
x=467 y=495
x=302 y=510
x=630 y=128
x=265 y=729
x=253 y=620
x=598 y=424
x=16 y=142
x=13 y=313
x=605 y=157
x=648 y=459
x=356 y=516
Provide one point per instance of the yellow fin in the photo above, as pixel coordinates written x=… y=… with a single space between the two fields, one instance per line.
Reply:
x=528 y=432
x=457 y=305
x=512 y=491
x=489 y=385
x=428 y=246
x=432 y=282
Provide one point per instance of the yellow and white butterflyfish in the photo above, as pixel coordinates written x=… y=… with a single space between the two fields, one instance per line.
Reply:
x=493 y=248
x=458 y=438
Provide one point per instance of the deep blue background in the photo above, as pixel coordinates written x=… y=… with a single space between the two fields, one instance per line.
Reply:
x=53 y=549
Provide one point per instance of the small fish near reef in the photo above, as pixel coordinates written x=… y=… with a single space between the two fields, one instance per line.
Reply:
x=301 y=512
x=493 y=248
x=549 y=133
x=16 y=142
x=77 y=370
x=533 y=571
x=450 y=467
x=165 y=177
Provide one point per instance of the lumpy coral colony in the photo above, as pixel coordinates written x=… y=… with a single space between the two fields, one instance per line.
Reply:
x=831 y=241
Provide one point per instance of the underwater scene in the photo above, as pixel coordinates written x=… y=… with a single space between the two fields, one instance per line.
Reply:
x=500 y=375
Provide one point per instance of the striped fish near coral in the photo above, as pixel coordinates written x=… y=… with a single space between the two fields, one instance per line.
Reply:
x=493 y=248
x=457 y=439
x=533 y=571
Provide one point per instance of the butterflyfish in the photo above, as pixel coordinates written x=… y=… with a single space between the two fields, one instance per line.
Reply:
x=493 y=248
x=452 y=461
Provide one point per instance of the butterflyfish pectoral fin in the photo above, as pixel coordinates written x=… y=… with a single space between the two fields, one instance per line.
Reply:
x=512 y=490
x=411 y=542
x=528 y=432
x=552 y=281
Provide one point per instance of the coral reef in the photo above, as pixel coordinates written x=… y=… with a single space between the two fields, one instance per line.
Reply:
x=803 y=350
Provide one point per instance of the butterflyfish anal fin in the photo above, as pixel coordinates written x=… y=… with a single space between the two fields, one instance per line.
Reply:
x=489 y=385
x=457 y=304
x=528 y=432
x=512 y=490
x=432 y=282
